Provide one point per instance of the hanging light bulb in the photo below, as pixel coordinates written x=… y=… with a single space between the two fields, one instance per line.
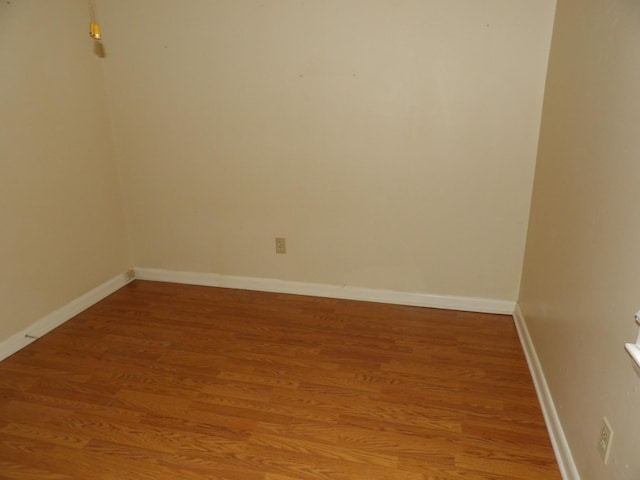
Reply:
x=94 y=28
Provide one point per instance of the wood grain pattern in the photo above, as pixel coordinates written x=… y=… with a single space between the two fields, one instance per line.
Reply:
x=165 y=381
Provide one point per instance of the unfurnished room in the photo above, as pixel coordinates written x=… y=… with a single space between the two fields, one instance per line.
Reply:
x=319 y=240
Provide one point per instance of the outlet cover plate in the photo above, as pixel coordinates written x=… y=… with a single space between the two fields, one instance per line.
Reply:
x=281 y=245
x=604 y=440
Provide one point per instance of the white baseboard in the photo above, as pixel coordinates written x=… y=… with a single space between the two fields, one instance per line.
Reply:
x=470 y=304
x=561 y=448
x=59 y=316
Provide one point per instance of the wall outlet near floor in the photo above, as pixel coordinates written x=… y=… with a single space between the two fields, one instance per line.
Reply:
x=604 y=440
x=281 y=245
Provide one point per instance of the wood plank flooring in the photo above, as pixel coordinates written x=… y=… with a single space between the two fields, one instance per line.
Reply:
x=165 y=381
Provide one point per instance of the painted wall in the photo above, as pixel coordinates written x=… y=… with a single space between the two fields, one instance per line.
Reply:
x=580 y=286
x=63 y=230
x=391 y=142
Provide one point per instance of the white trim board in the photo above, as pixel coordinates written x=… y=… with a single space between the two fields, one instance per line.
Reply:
x=56 y=318
x=470 y=304
x=561 y=448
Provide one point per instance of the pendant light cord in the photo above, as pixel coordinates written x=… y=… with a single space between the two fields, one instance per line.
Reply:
x=94 y=29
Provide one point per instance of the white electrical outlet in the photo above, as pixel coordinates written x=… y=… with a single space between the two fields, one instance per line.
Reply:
x=604 y=440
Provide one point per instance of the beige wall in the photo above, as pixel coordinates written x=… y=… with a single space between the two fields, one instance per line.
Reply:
x=60 y=206
x=392 y=143
x=580 y=285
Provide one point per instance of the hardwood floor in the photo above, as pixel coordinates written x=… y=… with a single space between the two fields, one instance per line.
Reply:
x=165 y=381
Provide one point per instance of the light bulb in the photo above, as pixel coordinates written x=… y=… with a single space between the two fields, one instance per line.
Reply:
x=94 y=31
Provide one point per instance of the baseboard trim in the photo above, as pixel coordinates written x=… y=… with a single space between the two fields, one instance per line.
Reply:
x=471 y=304
x=60 y=316
x=561 y=448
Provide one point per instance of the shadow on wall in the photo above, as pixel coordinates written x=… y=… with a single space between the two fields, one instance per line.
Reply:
x=99 y=50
